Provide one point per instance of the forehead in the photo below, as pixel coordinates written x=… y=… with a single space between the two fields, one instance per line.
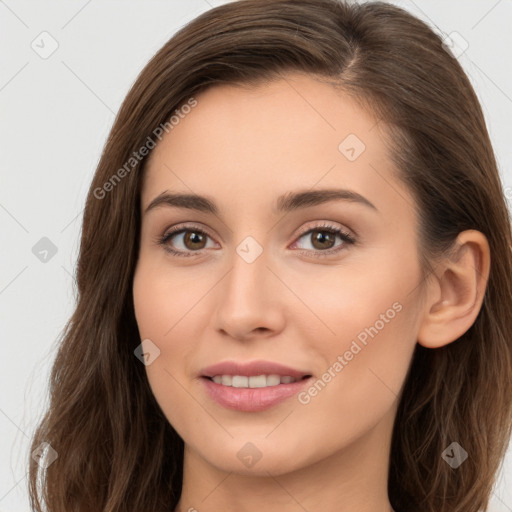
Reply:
x=249 y=143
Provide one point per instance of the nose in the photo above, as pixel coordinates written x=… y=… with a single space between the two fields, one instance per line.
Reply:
x=250 y=299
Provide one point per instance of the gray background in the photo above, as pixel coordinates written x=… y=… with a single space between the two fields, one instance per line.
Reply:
x=56 y=114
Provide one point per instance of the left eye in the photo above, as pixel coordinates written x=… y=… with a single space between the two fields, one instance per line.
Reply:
x=323 y=239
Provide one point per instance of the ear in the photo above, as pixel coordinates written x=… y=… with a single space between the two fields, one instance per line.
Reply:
x=455 y=296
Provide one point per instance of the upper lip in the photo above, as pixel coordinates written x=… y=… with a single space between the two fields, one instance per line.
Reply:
x=252 y=369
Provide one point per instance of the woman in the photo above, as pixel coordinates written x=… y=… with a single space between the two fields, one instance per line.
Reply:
x=294 y=278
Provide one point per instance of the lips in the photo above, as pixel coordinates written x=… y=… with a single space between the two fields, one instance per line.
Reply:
x=254 y=398
x=253 y=369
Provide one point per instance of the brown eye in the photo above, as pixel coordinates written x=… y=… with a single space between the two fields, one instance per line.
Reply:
x=194 y=240
x=185 y=241
x=322 y=239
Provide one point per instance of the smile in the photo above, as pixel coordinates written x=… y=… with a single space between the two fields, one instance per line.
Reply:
x=259 y=381
x=240 y=396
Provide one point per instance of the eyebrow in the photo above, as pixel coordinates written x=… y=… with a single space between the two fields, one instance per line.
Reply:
x=285 y=203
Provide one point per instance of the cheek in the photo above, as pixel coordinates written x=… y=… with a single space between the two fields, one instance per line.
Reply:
x=369 y=321
x=168 y=312
x=161 y=298
x=365 y=367
x=349 y=301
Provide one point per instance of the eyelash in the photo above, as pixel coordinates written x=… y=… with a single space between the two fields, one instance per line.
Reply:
x=346 y=237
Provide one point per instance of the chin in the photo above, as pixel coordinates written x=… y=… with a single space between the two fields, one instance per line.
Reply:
x=254 y=456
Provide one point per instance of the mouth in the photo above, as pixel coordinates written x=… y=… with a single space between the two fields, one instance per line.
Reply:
x=252 y=386
x=260 y=373
x=255 y=381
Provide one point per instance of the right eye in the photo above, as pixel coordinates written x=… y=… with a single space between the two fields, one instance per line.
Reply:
x=191 y=238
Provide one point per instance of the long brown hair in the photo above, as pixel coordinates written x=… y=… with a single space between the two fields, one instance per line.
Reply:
x=116 y=450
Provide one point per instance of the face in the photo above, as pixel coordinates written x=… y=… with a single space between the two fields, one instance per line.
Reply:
x=325 y=283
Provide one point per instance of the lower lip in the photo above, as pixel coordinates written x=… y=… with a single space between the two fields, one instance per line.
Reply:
x=252 y=399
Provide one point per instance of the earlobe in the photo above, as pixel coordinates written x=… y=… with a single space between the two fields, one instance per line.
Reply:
x=456 y=294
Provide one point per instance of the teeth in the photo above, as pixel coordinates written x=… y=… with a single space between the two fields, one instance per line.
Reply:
x=226 y=380
x=240 y=381
x=259 y=381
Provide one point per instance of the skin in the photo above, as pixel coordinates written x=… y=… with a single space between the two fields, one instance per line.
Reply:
x=243 y=147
